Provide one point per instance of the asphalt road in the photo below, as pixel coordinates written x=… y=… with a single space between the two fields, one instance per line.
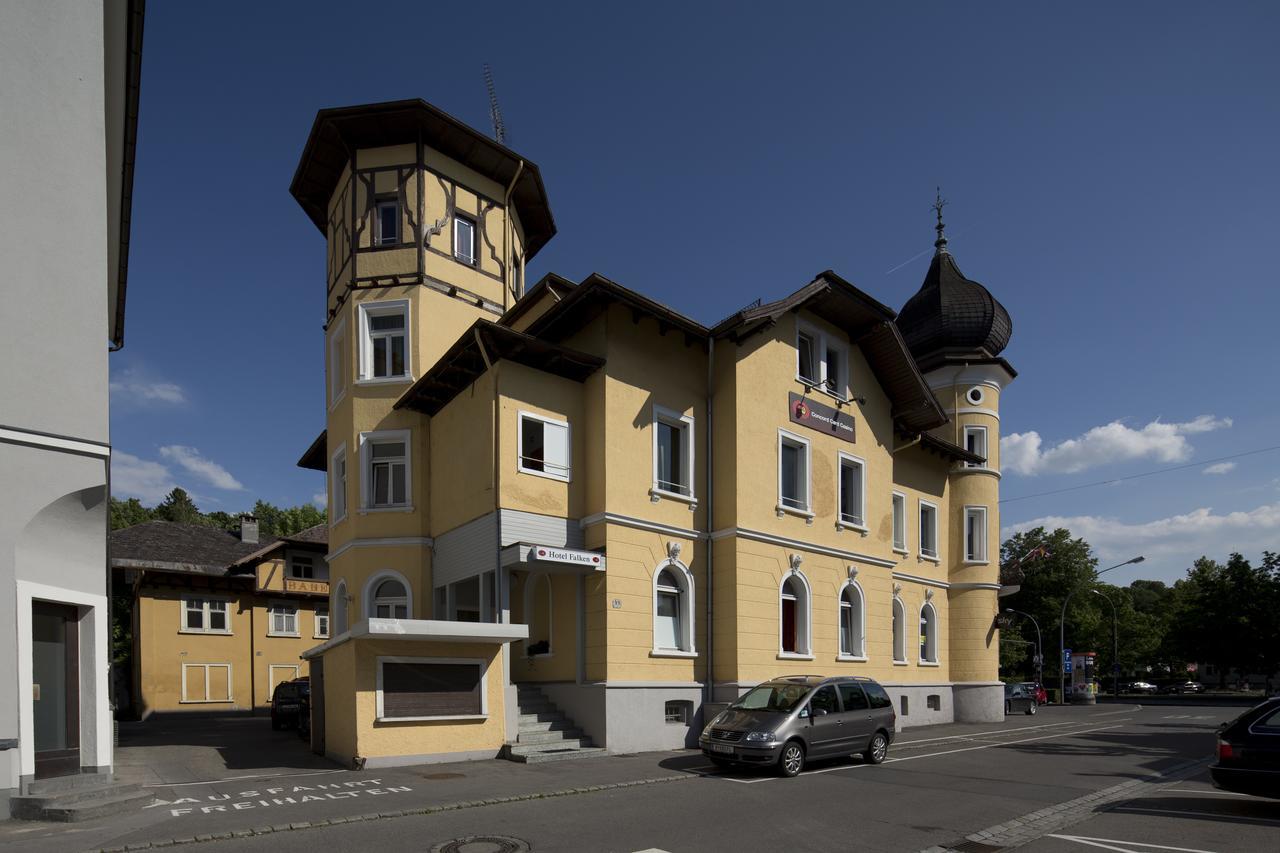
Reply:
x=935 y=790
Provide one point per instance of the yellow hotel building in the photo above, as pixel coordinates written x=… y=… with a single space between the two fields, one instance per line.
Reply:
x=568 y=518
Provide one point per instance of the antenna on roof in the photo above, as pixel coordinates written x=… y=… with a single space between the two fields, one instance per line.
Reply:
x=495 y=114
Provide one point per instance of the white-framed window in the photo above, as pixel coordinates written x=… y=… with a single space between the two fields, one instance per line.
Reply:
x=278 y=673
x=338 y=350
x=282 y=619
x=384 y=341
x=302 y=566
x=322 y=621
x=793 y=617
x=388 y=598
x=206 y=682
x=928 y=530
x=340 y=608
x=900 y=522
x=853 y=490
x=432 y=688
x=793 y=473
x=975 y=441
x=338 y=485
x=464 y=239
x=975 y=534
x=899 y=631
x=822 y=361
x=672 y=453
x=928 y=634
x=203 y=615
x=673 y=610
x=386 y=222
x=853 y=636
x=545 y=447
x=385 y=470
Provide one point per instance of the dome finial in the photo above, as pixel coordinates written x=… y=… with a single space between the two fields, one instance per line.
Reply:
x=941 y=243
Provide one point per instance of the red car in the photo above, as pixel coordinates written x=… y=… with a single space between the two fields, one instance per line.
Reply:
x=1037 y=691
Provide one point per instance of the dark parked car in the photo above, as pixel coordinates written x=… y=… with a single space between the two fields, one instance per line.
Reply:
x=1140 y=687
x=1249 y=752
x=1182 y=687
x=286 y=702
x=1020 y=697
x=791 y=720
x=1034 y=688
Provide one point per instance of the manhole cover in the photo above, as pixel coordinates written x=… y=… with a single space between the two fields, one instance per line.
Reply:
x=483 y=844
x=444 y=775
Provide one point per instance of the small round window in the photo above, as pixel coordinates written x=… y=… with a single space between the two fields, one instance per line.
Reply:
x=975 y=395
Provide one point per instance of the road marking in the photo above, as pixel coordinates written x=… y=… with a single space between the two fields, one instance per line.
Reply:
x=242 y=778
x=1215 y=815
x=1106 y=844
x=972 y=735
x=1210 y=791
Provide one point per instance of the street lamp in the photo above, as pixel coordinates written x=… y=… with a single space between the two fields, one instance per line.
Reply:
x=1039 y=647
x=1115 y=644
x=1062 y=634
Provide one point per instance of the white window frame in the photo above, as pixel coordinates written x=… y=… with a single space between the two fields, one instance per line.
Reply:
x=685 y=423
x=898 y=626
x=975 y=553
x=368 y=310
x=338 y=485
x=372 y=584
x=339 y=352
x=282 y=608
x=207 y=701
x=459 y=256
x=804 y=619
x=858 y=523
x=785 y=437
x=859 y=653
x=205 y=600
x=311 y=559
x=380 y=239
x=927 y=553
x=484 y=687
x=982 y=431
x=930 y=634
x=687 y=646
x=823 y=342
x=568 y=437
x=899 y=509
x=321 y=611
x=367 y=440
x=271 y=675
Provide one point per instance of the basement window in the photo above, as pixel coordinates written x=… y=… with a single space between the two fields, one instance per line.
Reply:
x=678 y=712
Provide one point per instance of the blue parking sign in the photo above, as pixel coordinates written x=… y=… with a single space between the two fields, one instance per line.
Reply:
x=1066 y=667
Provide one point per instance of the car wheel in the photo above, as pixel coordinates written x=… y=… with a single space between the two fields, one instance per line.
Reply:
x=877 y=749
x=791 y=761
x=1031 y=709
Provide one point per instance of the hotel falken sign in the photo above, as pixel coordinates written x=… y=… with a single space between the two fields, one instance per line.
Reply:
x=816 y=416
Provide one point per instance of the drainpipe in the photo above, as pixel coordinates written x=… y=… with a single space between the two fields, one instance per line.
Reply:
x=709 y=688
x=507 y=263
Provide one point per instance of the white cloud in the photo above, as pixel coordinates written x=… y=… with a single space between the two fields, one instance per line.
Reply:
x=1170 y=544
x=320 y=499
x=143 y=479
x=206 y=469
x=135 y=386
x=1220 y=468
x=1023 y=453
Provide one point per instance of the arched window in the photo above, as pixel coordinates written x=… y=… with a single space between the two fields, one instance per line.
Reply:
x=852 y=633
x=339 y=609
x=390 y=600
x=928 y=634
x=672 y=608
x=899 y=631
x=537 y=614
x=794 y=610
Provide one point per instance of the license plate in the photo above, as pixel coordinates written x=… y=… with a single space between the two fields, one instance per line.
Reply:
x=287 y=708
x=720 y=747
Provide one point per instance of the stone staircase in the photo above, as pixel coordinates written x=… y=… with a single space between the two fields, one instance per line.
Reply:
x=70 y=799
x=546 y=734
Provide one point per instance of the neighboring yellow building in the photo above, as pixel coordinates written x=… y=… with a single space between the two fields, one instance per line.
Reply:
x=219 y=619
x=525 y=508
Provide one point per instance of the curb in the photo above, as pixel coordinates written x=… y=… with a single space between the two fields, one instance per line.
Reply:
x=427 y=810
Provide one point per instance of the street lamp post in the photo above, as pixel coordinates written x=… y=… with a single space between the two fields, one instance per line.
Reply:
x=1062 y=634
x=1115 y=644
x=1039 y=645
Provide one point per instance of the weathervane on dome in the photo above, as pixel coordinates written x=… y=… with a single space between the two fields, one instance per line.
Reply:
x=941 y=243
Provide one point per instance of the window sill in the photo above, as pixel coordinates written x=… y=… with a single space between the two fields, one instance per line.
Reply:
x=206 y=701
x=900 y=663
x=925 y=558
x=672 y=653
x=369 y=509
x=784 y=510
x=430 y=719
x=928 y=663
x=850 y=525
x=385 y=380
x=902 y=552
x=656 y=494
x=205 y=633
x=294 y=636
x=793 y=656
x=851 y=659
x=544 y=474
x=319 y=636
x=977 y=562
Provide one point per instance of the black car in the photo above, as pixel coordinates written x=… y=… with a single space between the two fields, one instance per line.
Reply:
x=1019 y=697
x=287 y=702
x=1249 y=752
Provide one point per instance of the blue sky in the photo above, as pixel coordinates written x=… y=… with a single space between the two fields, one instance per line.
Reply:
x=1110 y=170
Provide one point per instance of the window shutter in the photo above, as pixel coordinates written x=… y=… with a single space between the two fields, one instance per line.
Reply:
x=556 y=446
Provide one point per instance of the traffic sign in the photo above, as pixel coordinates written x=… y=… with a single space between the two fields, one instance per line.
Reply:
x=1066 y=656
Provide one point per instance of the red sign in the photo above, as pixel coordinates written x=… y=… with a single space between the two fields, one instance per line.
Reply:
x=808 y=412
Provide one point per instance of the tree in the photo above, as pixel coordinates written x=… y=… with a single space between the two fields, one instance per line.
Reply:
x=128 y=513
x=178 y=507
x=274 y=521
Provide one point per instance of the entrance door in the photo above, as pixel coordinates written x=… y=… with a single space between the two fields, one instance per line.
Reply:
x=55 y=673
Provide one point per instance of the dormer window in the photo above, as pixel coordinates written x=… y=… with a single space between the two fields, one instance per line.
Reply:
x=464 y=239
x=386 y=223
x=822 y=361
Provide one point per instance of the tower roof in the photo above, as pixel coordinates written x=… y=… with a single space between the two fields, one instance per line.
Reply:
x=951 y=316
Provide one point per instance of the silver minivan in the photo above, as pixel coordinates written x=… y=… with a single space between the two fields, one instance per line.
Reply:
x=794 y=719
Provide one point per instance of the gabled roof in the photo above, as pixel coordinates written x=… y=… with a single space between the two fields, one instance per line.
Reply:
x=549 y=283
x=593 y=295
x=190 y=548
x=313 y=457
x=339 y=131
x=316 y=536
x=481 y=345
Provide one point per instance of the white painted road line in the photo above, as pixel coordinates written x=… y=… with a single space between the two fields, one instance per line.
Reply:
x=1215 y=815
x=242 y=778
x=1210 y=791
x=1107 y=844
